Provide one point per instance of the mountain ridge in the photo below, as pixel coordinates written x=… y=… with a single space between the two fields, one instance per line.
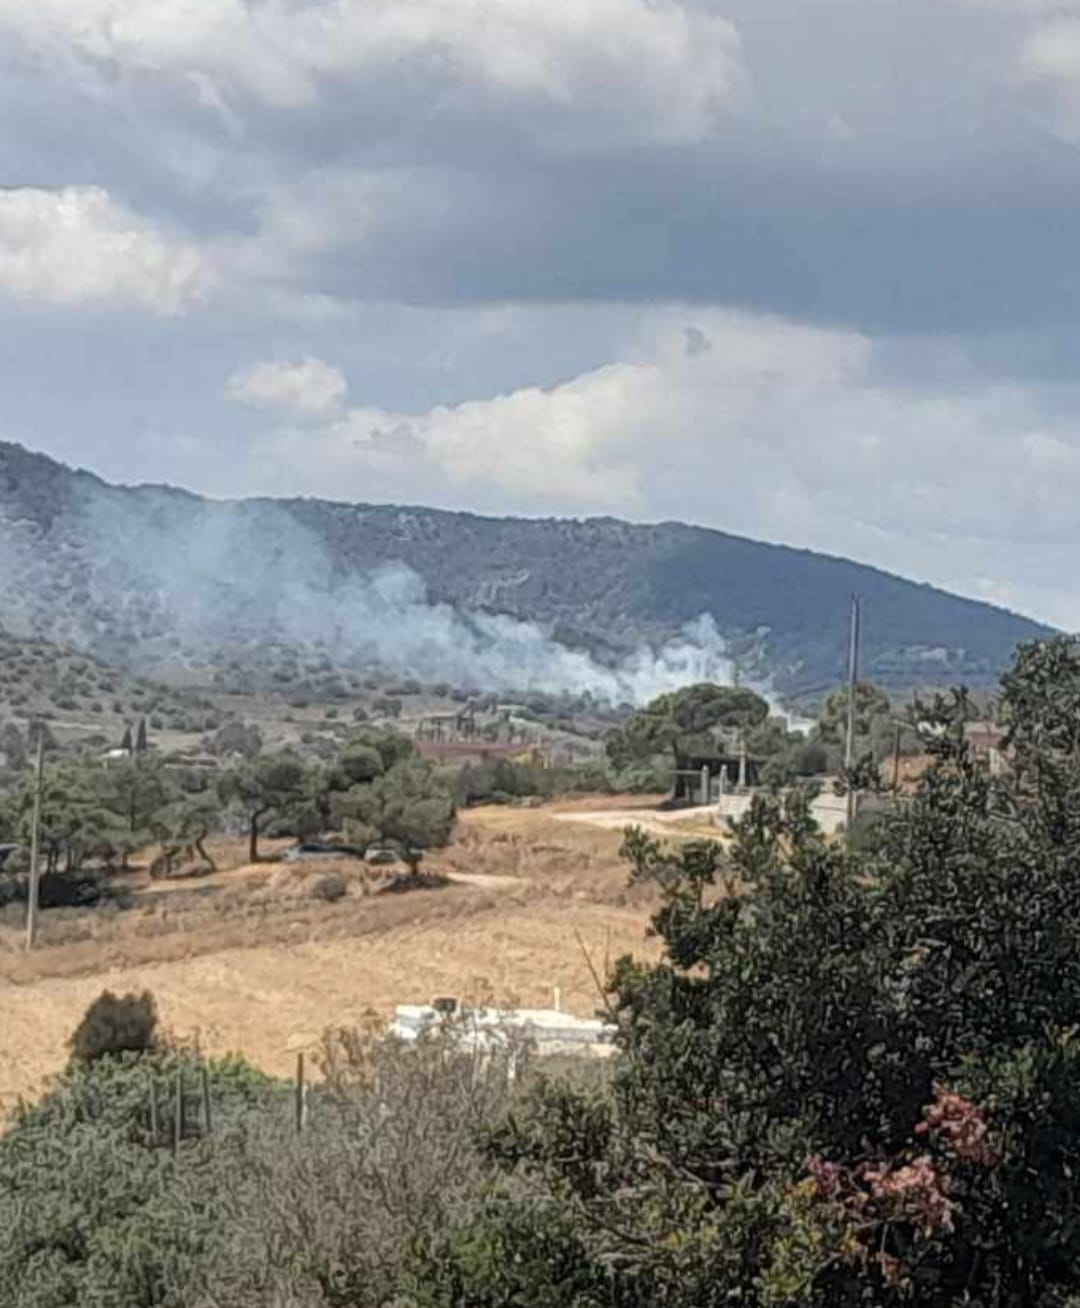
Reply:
x=128 y=571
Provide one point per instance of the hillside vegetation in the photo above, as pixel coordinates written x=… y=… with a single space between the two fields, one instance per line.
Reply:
x=160 y=579
x=39 y=680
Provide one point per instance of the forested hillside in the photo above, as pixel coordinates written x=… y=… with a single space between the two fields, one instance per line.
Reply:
x=155 y=577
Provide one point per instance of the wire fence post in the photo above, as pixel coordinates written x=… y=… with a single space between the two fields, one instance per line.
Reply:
x=178 y=1111
x=299 y=1092
x=208 y=1122
x=155 y=1120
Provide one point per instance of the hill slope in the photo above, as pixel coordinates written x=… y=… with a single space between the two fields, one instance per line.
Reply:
x=158 y=578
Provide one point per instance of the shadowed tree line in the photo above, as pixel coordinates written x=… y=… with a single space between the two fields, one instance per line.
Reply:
x=102 y=811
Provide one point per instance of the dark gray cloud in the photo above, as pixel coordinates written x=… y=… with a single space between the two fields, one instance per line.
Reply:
x=512 y=239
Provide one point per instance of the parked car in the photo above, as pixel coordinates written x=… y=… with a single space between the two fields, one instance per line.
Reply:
x=316 y=849
x=382 y=854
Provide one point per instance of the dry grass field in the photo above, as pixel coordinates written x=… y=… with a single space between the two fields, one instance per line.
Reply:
x=253 y=960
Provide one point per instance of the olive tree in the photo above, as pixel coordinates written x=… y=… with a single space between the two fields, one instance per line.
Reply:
x=262 y=787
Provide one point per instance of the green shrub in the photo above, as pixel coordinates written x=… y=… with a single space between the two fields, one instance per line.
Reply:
x=115 y=1025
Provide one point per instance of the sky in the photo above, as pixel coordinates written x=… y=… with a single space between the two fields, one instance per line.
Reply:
x=802 y=270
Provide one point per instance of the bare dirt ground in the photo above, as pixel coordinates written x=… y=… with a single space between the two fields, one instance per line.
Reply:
x=253 y=961
x=679 y=823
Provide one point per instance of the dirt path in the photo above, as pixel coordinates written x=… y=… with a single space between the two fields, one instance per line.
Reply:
x=680 y=822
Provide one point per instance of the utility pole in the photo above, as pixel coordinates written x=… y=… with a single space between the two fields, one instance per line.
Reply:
x=853 y=676
x=35 y=842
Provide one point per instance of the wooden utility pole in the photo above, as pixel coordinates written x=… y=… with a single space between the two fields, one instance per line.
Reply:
x=35 y=842
x=853 y=677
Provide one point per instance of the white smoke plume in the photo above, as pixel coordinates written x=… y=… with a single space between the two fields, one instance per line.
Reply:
x=182 y=576
x=391 y=621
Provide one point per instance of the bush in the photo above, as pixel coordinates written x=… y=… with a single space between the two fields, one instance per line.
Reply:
x=79 y=889
x=96 y=1210
x=115 y=1025
x=236 y=737
x=330 y=888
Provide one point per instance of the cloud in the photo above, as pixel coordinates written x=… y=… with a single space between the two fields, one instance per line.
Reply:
x=830 y=438
x=600 y=69
x=408 y=150
x=479 y=213
x=308 y=389
x=542 y=447
x=77 y=246
x=1050 y=57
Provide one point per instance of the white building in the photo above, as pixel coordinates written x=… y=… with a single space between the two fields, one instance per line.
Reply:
x=547 y=1029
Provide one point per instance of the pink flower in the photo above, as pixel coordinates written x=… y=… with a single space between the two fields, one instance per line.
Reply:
x=959 y=1125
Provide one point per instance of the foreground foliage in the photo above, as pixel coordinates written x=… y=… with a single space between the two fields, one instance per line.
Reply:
x=854 y=1079
x=857 y=1080
x=102 y=1207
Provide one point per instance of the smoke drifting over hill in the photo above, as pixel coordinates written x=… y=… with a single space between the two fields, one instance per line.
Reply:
x=183 y=577
x=388 y=619
x=155 y=578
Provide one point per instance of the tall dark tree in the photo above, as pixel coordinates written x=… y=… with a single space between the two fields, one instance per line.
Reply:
x=685 y=720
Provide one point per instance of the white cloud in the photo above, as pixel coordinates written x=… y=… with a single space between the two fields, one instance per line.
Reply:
x=776 y=430
x=308 y=389
x=1052 y=51
x=615 y=69
x=1047 y=72
x=540 y=447
x=77 y=246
